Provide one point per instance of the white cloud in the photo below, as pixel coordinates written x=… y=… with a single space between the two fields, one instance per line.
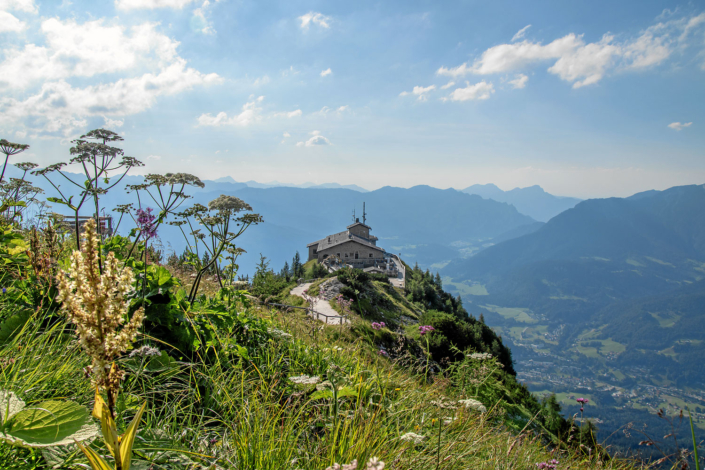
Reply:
x=20 y=134
x=60 y=107
x=419 y=91
x=519 y=82
x=199 y=22
x=326 y=72
x=150 y=4
x=10 y=24
x=21 y=5
x=154 y=157
x=582 y=63
x=344 y=108
x=261 y=80
x=290 y=114
x=448 y=85
x=286 y=134
x=520 y=34
x=85 y=50
x=679 y=126
x=113 y=123
x=313 y=17
x=316 y=140
x=479 y=91
x=250 y=113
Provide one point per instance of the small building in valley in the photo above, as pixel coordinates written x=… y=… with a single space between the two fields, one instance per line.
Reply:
x=355 y=247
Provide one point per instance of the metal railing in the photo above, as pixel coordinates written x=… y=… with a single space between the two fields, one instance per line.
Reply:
x=309 y=311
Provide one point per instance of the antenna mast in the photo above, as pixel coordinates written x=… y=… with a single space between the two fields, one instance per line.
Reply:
x=364 y=214
x=353 y=215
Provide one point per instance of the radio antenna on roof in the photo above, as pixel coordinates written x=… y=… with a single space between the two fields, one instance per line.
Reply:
x=364 y=214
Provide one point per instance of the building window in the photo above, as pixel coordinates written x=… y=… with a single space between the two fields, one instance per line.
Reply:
x=370 y=255
x=346 y=255
x=338 y=255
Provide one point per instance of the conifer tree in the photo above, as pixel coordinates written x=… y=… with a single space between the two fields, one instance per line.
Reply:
x=296 y=267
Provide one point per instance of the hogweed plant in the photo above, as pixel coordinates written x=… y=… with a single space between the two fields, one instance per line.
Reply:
x=97 y=304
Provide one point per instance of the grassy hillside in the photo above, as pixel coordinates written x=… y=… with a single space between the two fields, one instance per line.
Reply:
x=231 y=384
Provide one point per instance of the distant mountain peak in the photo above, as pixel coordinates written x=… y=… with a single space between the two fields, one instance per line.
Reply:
x=225 y=179
x=532 y=200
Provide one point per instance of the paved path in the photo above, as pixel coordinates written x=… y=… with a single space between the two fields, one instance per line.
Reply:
x=398 y=281
x=322 y=307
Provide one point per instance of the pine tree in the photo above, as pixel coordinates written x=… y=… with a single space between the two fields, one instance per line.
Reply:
x=296 y=267
x=439 y=282
x=285 y=271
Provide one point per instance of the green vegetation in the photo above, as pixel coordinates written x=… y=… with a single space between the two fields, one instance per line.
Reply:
x=185 y=368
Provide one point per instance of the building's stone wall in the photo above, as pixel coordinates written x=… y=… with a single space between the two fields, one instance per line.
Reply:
x=360 y=231
x=347 y=251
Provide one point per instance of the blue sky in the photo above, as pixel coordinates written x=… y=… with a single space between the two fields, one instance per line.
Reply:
x=586 y=98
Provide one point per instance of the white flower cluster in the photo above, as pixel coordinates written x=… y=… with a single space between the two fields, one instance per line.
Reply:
x=413 y=437
x=277 y=333
x=97 y=304
x=474 y=404
x=145 y=351
x=373 y=464
x=305 y=379
x=480 y=356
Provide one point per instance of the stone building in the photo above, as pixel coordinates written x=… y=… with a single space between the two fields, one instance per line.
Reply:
x=355 y=246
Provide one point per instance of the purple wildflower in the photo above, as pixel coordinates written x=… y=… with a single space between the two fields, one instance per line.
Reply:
x=4 y=290
x=550 y=465
x=583 y=401
x=423 y=329
x=378 y=326
x=145 y=222
x=382 y=352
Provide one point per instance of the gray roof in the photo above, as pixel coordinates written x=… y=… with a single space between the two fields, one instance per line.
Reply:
x=340 y=238
x=358 y=223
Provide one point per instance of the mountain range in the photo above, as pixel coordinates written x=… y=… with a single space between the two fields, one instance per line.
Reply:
x=532 y=201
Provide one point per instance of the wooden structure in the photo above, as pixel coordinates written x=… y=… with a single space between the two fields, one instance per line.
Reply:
x=106 y=223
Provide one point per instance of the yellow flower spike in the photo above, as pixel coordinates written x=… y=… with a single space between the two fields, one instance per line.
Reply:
x=128 y=439
x=96 y=461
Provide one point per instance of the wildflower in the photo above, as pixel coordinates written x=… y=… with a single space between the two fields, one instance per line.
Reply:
x=277 y=333
x=145 y=222
x=423 y=329
x=382 y=352
x=480 y=356
x=413 y=437
x=4 y=290
x=474 y=404
x=446 y=405
x=583 y=401
x=305 y=380
x=550 y=465
x=98 y=305
x=145 y=351
x=378 y=326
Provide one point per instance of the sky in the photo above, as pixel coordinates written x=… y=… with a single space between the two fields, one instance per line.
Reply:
x=585 y=98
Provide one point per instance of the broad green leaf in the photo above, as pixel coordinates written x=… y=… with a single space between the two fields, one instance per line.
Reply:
x=128 y=439
x=13 y=324
x=10 y=404
x=50 y=423
x=322 y=394
x=110 y=434
x=99 y=403
x=347 y=392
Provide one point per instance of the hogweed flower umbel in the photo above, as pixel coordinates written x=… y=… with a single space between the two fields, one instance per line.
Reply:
x=97 y=304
